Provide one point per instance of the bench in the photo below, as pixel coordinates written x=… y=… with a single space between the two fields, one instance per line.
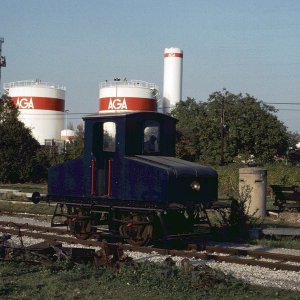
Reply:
x=286 y=196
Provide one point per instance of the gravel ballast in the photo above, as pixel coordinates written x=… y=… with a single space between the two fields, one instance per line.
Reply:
x=251 y=274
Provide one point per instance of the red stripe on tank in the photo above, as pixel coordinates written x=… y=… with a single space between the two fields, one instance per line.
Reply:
x=43 y=103
x=127 y=103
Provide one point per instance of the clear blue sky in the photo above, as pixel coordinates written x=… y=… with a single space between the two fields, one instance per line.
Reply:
x=245 y=46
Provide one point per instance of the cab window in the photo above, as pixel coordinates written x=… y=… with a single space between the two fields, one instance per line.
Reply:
x=151 y=137
x=109 y=136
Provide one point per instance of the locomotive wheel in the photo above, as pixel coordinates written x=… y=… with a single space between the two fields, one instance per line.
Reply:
x=81 y=225
x=144 y=235
x=82 y=229
x=137 y=234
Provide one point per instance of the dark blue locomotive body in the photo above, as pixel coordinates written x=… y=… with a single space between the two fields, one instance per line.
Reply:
x=128 y=176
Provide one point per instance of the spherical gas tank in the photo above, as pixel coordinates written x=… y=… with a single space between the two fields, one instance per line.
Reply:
x=134 y=95
x=41 y=106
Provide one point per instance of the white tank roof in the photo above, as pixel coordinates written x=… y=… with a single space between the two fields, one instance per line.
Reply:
x=67 y=135
x=32 y=83
x=128 y=83
x=67 y=132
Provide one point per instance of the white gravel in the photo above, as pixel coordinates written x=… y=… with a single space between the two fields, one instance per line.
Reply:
x=260 y=276
x=251 y=274
x=15 y=241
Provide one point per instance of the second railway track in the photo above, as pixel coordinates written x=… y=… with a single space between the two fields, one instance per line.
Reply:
x=274 y=261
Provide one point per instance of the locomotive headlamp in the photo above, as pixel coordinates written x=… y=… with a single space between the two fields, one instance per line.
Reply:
x=195 y=185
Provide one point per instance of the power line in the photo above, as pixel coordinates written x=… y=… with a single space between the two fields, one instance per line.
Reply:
x=288 y=109
x=283 y=103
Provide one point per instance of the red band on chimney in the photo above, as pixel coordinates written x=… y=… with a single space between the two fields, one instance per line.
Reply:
x=173 y=55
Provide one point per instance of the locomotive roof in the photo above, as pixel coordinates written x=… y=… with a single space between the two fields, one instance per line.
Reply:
x=124 y=114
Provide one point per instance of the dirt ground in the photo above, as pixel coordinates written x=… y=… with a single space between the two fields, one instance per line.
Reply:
x=291 y=217
x=286 y=217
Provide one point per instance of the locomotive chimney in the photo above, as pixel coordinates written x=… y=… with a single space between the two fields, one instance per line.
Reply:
x=172 y=91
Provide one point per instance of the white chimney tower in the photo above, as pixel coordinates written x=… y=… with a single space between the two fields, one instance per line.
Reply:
x=172 y=91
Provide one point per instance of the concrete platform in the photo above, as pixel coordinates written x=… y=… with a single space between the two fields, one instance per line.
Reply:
x=281 y=231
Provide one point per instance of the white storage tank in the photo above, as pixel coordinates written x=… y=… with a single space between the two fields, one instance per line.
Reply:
x=67 y=135
x=172 y=91
x=122 y=95
x=41 y=106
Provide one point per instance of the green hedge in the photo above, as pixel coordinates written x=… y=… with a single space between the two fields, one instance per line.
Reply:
x=277 y=173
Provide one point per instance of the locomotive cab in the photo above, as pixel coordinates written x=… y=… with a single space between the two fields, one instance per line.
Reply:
x=111 y=138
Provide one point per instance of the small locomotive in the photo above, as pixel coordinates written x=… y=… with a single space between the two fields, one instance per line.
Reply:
x=129 y=183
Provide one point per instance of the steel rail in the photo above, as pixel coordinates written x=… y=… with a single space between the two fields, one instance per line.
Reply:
x=230 y=255
x=24 y=214
x=34 y=227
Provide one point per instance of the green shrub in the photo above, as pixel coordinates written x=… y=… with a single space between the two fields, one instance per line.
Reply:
x=236 y=222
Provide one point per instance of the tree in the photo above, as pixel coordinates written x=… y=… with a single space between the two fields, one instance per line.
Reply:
x=45 y=157
x=190 y=115
x=17 y=146
x=294 y=139
x=75 y=148
x=8 y=111
x=293 y=153
x=48 y=156
x=230 y=127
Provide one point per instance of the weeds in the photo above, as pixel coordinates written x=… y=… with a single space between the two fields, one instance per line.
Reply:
x=288 y=242
x=236 y=222
x=141 y=281
x=42 y=208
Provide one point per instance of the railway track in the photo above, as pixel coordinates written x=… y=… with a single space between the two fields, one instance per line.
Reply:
x=269 y=260
x=24 y=214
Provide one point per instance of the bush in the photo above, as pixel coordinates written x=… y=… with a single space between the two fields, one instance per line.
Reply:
x=236 y=222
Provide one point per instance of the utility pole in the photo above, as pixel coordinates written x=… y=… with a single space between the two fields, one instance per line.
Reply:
x=222 y=130
x=2 y=59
